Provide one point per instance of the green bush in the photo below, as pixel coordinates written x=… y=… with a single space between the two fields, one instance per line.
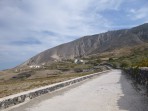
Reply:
x=111 y=59
x=115 y=64
x=142 y=63
x=125 y=63
x=94 y=62
x=77 y=70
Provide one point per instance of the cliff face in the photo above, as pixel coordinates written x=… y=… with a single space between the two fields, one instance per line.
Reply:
x=94 y=44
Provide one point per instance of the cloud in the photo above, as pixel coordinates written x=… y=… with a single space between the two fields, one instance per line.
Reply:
x=141 y=13
x=28 y=27
x=137 y=10
x=28 y=41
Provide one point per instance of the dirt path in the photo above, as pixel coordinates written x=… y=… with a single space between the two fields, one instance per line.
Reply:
x=108 y=92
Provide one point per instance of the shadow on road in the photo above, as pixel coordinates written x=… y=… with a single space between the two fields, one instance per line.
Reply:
x=131 y=100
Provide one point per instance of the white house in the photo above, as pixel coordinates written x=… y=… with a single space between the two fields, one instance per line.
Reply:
x=78 y=61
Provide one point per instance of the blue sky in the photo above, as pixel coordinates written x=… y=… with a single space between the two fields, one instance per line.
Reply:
x=28 y=27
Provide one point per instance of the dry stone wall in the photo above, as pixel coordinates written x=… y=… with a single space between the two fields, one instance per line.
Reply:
x=22 y=97
x=139 y=76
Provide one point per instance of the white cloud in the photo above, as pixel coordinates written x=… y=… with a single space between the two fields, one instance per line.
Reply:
x=66 y=19
x=141 y=13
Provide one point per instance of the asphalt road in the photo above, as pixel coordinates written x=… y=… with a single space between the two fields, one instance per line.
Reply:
x=108 y=92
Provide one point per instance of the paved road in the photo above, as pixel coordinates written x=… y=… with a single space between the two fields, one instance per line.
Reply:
x=108 y=92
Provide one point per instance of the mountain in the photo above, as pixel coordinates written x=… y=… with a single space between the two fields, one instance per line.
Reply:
x=94 y=44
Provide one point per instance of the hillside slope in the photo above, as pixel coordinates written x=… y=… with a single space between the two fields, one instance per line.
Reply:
x=94 y=44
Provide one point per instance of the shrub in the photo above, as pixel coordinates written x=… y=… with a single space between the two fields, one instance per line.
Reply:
x=77 y=70
x=111 y=59
x=115 y=64
x=142 y=63
x=125 y=63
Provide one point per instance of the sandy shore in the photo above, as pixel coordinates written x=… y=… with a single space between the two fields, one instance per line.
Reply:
x=109 y=92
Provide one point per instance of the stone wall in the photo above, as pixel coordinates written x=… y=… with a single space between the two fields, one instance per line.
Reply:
x=139 y=76
x=22 y=97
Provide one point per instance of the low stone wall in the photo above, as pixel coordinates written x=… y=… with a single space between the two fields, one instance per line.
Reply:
x=139 y=76
x=22 y=97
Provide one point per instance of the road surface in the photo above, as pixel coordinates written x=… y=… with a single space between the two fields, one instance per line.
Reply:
x=108 y=92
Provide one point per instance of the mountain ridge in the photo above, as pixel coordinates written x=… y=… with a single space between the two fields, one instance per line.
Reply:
x=92 y=44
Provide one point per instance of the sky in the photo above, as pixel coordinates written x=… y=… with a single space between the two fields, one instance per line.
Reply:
x=28 y=27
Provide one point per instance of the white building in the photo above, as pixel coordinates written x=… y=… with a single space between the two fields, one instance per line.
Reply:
x=79 y=61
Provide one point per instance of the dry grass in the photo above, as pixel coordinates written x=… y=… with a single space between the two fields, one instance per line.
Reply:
x=15 y=86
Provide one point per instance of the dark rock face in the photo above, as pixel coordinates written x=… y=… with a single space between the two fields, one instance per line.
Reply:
x=94 y=44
